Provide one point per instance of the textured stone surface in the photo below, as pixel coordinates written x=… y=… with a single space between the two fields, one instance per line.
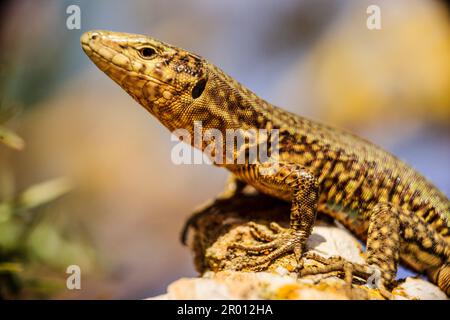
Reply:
x=223 y=222
x=265 y=285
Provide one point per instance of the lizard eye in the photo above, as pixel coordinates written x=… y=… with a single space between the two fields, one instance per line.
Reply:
x=147 y=52
x=198 y=88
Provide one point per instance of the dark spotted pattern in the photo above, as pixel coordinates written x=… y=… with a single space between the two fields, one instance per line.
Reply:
x=373 y=193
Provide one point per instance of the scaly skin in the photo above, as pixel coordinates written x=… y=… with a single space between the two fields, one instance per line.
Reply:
x=371 y=192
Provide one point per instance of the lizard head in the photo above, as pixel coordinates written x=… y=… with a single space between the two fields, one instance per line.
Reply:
x=169 y=82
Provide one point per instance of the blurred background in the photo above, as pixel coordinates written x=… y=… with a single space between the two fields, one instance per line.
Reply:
x=85 y=173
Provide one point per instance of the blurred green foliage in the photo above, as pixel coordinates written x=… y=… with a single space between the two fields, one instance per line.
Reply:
x=35 y=247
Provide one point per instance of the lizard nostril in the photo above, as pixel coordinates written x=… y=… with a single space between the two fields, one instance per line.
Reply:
x=94 y=36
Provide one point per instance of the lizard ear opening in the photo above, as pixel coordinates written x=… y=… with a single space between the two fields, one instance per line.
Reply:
x=198 y=88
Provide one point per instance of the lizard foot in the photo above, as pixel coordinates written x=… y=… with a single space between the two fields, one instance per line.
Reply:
x=279 y=241
x=349 y=269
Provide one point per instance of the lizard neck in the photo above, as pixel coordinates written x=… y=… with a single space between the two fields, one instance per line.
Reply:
x=233 y=106
x=229 y=110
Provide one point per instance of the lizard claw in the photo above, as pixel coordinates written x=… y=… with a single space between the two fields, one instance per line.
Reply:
x=280 y=243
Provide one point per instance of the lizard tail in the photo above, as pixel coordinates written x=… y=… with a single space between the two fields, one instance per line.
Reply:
x=441 y=277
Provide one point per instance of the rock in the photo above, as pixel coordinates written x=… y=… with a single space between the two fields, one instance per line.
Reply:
x=225 y=221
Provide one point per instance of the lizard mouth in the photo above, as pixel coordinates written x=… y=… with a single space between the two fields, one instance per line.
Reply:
x=115 y=64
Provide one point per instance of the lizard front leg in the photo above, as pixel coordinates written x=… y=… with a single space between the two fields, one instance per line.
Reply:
x=303 y=189
x=383 y=248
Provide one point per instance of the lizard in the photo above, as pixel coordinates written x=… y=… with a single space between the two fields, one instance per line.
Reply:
x=400 y=215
